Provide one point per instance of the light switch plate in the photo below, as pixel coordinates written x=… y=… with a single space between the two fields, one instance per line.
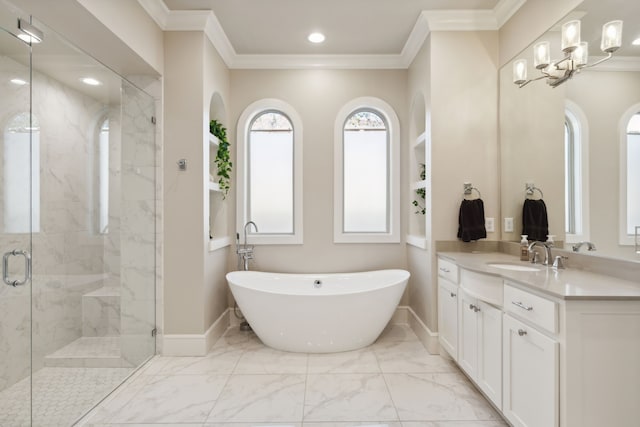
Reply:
x=489 y=224
x=508 y=225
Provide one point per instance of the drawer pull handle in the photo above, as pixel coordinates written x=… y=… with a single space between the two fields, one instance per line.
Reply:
x=445 y=270
x=521 y=305
x=474 y=307
x=522 y=332
x=453 y=295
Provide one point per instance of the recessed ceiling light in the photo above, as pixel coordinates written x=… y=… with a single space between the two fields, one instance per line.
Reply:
x=316 y=37
x=18 y=82
x=90 y=81
x=636 y=42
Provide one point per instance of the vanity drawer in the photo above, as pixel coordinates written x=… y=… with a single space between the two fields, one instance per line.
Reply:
x=539 y=311
x=448 y=270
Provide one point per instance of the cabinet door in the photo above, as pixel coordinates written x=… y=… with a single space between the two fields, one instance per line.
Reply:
x=448 y=317
x=490 y=352
x=530 y=376
x=468 y=333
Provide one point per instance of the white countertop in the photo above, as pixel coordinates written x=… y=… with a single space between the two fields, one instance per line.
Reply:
x=568 y=284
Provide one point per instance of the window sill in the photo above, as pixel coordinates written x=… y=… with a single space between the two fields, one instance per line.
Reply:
x=365 y=238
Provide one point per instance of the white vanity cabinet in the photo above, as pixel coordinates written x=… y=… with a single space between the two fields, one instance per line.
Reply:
x=480 y=337
x=448 y=307
x=530 y=359
x=550 y=349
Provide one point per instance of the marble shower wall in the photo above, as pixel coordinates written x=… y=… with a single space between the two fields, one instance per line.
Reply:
x=71 y=257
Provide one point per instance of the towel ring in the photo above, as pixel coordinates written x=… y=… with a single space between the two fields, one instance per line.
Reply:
x=531 y=188
x=468 y=188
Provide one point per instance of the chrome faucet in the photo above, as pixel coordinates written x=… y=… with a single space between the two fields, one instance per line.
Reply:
x=547 y=251
x=577 y=246
x=245 y=252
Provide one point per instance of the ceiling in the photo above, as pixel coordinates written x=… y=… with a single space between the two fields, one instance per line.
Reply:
x=365 y=33
x=362 y=27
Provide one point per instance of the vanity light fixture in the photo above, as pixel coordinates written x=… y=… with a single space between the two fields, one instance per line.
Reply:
x=316 y=37
x=576 y=54
x=90 y=81
x=29 y=33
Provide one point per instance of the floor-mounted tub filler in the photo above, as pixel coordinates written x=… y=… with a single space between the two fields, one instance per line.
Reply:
x=318 y=313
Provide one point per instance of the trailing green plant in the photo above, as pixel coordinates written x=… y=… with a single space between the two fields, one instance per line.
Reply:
x=421 y=192
x=223 y=158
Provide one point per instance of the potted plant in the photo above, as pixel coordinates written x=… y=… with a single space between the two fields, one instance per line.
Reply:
x=222 y=159
x=421 y=192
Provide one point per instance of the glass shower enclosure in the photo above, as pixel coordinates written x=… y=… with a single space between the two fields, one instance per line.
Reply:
x=77 y=226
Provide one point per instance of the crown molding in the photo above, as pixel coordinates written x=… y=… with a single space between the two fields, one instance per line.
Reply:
x=505 y=9
x=440 y=20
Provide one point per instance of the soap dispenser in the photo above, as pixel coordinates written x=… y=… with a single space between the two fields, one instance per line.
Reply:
x=524 y=248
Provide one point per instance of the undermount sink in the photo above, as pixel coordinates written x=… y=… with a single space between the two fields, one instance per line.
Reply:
x=512 y=267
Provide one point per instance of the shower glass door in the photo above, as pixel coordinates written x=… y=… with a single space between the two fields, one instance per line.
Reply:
x=77 y=226
x=17 y=158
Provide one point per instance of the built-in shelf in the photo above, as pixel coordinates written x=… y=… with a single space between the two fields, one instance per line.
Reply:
x=417 y=241
x=219 y=243
x=419 y=184
x=213 y=139
x=214 y=186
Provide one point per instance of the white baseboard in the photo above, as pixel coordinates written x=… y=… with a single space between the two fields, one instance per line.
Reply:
x=199 y=344
x=195 y=344
x=406 y=315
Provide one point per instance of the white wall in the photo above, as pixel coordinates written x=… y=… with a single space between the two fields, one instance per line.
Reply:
x=318 y=95
x=462 y=107
x=183 y=190
x=216 y=84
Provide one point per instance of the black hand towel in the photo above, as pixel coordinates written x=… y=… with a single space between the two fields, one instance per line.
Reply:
x=471 y=220
x=535 y=223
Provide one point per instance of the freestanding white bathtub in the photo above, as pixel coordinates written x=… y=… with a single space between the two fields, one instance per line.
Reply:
x=318 y=313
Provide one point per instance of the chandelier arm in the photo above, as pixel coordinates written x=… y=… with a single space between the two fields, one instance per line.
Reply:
x=609 y=55
x=533 y=80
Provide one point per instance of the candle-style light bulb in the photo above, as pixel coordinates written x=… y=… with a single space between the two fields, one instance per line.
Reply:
x=541 y=55
x=520 y=71
x=570 y=36
x=611 y=36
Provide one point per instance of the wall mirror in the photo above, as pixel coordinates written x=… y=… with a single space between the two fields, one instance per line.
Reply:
x=578 y=143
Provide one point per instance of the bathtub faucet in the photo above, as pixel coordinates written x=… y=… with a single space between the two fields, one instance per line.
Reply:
x=245 y=252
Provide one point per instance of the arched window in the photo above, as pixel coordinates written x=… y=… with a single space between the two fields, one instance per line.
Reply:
x=21 y=158
x=631 y=195
x=576 y=174
x=366 y=173
x=270 y=173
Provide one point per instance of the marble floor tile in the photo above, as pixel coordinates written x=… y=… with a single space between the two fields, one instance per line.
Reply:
x=260 y=398
x=396 y=333
x=172 y=399
x=256 y=424
x=355 y=362
x=352 y=424
x=348 y=397
x=259 y=359
x=220 y=360
x=437 y=397
x=410 y=357
x=454 y=424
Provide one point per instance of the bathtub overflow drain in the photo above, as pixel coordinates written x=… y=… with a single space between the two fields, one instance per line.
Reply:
x=317 y=283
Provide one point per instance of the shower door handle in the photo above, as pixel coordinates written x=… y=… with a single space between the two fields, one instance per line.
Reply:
x=27 y=267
